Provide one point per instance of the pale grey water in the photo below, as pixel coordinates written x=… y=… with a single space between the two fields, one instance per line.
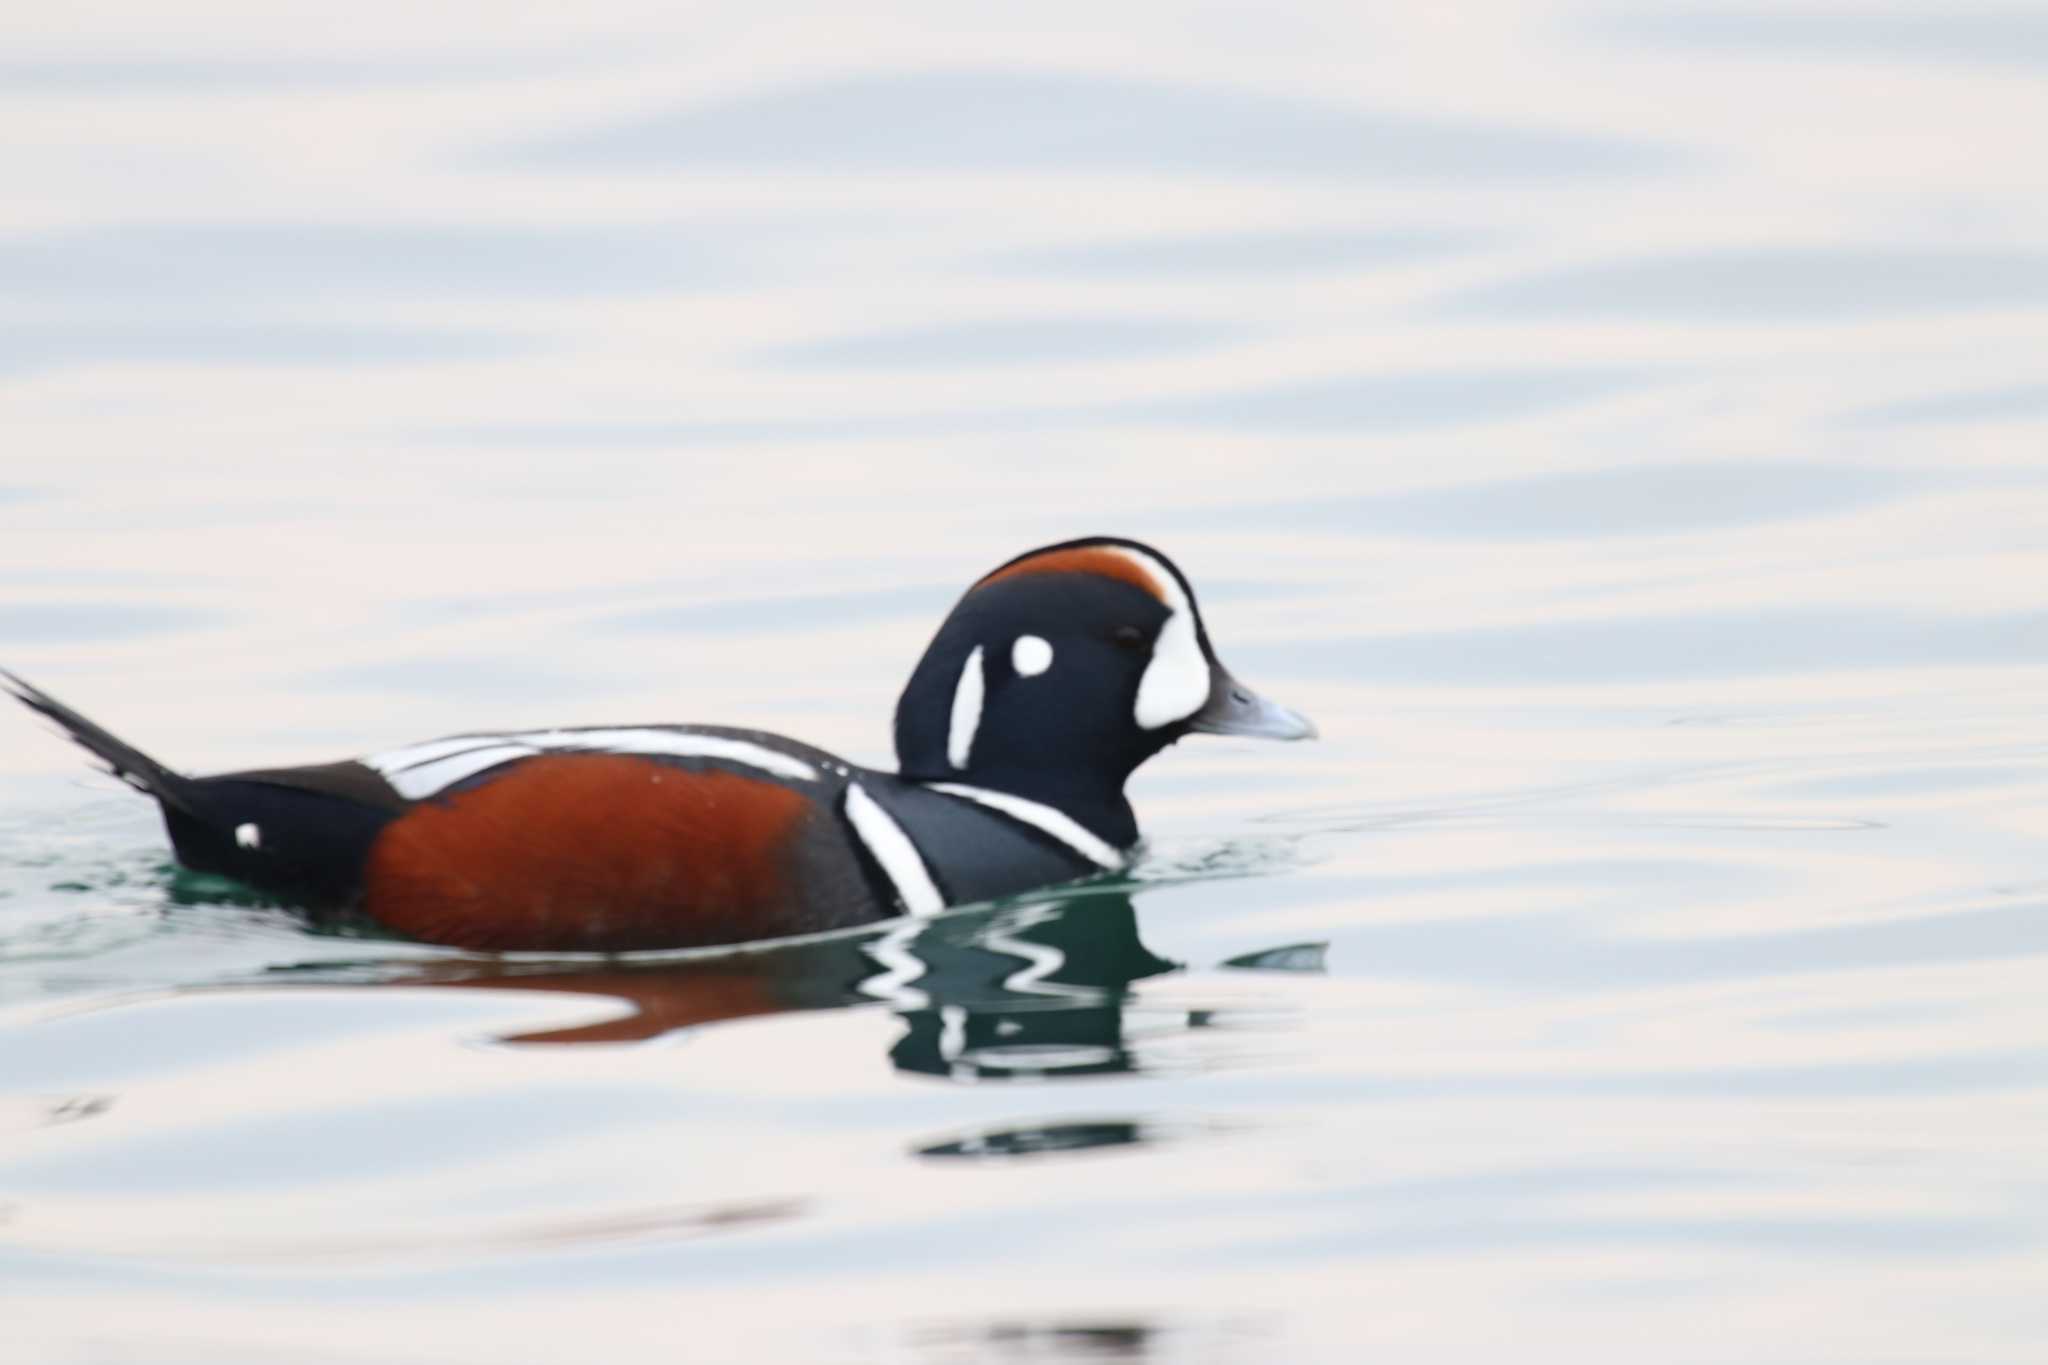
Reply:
x=1621 y=428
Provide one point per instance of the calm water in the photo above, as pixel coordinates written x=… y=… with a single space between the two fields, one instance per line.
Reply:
x=1621 y=428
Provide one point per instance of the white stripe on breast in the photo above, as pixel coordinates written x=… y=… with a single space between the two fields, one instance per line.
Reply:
x=424 y=769
x=1058 y=824
x=892 y=848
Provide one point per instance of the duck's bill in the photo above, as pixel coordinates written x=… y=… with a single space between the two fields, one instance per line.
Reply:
x=1234 y=709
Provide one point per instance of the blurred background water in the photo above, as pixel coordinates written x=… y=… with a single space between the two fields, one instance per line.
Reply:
x=1620 y=427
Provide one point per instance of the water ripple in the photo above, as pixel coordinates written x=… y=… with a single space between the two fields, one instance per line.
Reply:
x=1020 y=120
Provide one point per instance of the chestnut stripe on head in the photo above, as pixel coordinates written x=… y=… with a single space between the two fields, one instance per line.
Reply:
x=1110 y=561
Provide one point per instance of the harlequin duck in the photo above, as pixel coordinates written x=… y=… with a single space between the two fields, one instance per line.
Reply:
x=1054 y=677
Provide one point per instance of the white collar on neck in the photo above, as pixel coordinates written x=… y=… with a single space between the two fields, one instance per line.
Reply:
x=1044 y=818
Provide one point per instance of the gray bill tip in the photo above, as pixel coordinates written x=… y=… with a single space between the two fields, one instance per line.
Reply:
x=1234 y=709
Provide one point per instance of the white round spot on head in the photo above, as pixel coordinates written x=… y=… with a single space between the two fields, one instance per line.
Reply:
x=248 y=836
x=1030 y=656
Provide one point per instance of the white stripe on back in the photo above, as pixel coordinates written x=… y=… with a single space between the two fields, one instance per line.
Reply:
x=413 y=755
x=1058 y=824
x=424 y=779
x=892 y=848
x=423 y=769
x=678 y=743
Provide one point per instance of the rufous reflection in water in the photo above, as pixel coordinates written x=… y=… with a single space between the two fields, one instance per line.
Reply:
x=1012 y=992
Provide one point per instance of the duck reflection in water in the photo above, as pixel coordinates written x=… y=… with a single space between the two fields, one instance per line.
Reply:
x=1012 y=992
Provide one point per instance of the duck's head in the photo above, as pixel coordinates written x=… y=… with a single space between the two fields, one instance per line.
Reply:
x=1060 y=672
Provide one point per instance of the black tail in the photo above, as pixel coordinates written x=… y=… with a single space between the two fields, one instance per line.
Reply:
x=122 y=759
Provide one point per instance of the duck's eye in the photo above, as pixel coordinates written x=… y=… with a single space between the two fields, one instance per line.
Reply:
x=1129 y=637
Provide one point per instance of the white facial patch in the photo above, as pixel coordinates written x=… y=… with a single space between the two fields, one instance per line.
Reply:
x=967 y=695
x=1030 y=656
x=248 y=836
x=1176 y=682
